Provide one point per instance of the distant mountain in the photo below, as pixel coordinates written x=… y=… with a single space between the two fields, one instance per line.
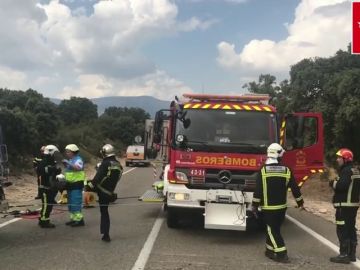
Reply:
x=149 y=104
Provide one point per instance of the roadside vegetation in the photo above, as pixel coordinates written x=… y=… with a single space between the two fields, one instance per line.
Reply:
x=328 y=85
x=30 y=120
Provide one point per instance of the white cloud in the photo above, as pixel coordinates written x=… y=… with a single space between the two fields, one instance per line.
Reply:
x=320 y=29
x=226 y=1
x=49 y=41
x=195 y=23
x=157 y=84
x=12 y=79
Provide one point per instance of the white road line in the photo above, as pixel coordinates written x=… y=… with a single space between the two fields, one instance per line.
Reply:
x=9 y=222
x=17 y=219
x=148 y=246
x=128 y=171
x=319 y=237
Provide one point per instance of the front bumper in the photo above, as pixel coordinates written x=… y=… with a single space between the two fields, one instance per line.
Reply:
x=181 y=196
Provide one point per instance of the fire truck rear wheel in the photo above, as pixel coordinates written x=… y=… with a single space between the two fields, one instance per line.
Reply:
x=127 y=164
x=172 y=218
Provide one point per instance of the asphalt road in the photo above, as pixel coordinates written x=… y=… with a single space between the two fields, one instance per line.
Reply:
x=140 y=237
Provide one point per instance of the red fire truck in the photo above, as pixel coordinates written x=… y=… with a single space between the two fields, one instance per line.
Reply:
x=217 y=144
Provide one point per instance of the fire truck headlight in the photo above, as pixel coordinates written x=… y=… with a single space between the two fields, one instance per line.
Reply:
x=180 y=138
x=181 y=176
x=179 y=196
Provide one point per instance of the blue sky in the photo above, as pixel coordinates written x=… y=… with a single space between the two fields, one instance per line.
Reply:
x=195 y=58
x=162 y=48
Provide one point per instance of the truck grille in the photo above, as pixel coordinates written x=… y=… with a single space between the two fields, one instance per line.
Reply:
x=225 y=179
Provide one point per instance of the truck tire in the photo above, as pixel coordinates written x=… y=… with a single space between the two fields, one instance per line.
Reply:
x=172 y=218
x=127 y=164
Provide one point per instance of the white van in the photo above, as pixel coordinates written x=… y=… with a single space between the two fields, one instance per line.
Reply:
x=135 y=155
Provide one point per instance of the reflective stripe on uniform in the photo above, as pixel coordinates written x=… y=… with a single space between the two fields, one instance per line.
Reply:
x=77 y=216
x=45 y=205
x=279 y=249
x=75 y=176
x=104 y=190
x=286 y=175
x=256 y=200
x=264 y=175
x=272 y=239
x=340 y=222
x=350 y=191
x=299 y=199
x=346 y=204
x=273 y=207
x=264 y=186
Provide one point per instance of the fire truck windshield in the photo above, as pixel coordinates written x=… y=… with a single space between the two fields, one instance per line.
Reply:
x=227 y=131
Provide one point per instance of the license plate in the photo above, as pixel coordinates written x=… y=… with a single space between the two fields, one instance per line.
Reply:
x=199 y=173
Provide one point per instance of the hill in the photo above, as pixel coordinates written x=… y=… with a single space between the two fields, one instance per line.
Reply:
x=149 y=104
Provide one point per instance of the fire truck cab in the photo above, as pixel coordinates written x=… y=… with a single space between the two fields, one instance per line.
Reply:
x=217 y=145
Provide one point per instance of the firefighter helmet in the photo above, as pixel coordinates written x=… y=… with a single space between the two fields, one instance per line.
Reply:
x=346 y=154
x=275 y=151
x=50 y=150
x=72 y=147
x=107 y=150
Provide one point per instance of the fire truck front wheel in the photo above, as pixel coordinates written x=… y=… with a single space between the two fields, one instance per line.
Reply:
x=172 y=217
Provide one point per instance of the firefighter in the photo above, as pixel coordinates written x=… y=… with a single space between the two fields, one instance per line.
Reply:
x=75 y=177
x=47 y=170
x=270 y=195
x=346 y=202
x=36 y=163
x=104 y=183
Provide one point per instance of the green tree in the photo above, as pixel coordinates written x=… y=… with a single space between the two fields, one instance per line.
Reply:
x=76 y=110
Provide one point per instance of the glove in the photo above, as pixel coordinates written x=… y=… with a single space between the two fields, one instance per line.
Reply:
x=87 y=188
x=60 y=177
x=65 y=162
x=90 y=187
x=255 y=211
x=302 y=207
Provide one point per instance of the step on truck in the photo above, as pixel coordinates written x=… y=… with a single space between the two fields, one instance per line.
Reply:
x=217 y=145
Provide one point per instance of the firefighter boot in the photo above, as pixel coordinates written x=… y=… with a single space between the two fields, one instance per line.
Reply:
x=270 y=254
x=352 y=252
x=78 y=223
x=46 y=224
x=343 y=256
x=281 y=257
x=106 y=238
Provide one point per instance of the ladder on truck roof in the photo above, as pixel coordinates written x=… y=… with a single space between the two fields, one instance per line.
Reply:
x=248 y=98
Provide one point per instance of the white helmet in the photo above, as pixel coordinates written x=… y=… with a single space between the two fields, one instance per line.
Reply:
x=107 y=150
x=50 y=150
x=275 y=151
x=72 y=147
